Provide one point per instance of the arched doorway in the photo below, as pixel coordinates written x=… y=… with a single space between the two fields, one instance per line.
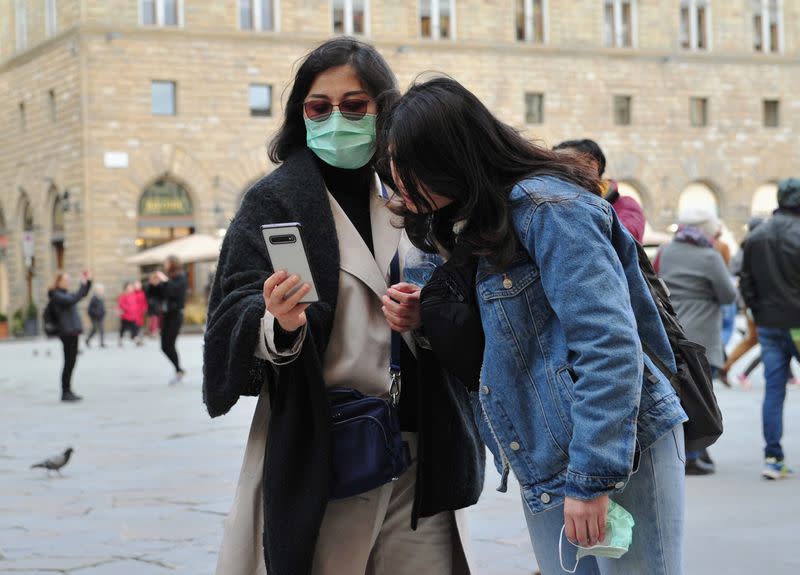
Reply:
x=765 y=200
x=166 y=213
x=630 y=190
x=57 y=231
x=4 y=293
x=696 y=195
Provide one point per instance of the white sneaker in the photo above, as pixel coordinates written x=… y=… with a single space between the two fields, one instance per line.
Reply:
x=178 y=378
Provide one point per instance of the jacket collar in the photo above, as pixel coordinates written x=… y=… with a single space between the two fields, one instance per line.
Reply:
x=354 y=255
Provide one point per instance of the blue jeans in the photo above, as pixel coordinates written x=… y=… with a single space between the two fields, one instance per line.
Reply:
x=729 y=312
x=777 y=350
x=654 y=496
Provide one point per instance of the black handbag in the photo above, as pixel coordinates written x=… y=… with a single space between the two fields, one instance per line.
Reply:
x=368 y=449
x=451 y=319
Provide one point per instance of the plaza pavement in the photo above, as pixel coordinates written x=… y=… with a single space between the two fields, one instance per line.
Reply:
x=152 y=477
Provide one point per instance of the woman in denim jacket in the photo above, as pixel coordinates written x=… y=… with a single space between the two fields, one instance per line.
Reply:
x=567 y=399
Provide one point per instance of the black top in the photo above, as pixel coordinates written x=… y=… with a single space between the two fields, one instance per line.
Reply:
x=173 y=293
x=97 y=307
x=770 y=276
x=69 y=320
x=351 y=188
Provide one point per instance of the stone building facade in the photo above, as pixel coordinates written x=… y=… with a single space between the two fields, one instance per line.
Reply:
x=124 y=123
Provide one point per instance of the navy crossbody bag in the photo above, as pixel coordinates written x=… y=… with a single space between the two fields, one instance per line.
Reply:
x=367 y=447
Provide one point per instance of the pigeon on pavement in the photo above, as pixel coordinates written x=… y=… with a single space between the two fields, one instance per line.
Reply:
x=55 y=463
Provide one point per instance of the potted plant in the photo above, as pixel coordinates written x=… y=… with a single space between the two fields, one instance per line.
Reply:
x=18 y=323
x=3 y=326
x=31 y=324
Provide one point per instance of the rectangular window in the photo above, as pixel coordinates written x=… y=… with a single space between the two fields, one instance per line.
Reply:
x=163 y=98
x=22 y=121
x=161 y=12
x=534 y=108
x=51 y=105
x=257 y=15
x=622 y=110
x=437 y=19
x=698 y=112
x=349 y=16
x=50 y=18
x=619 y=23
x=149 y=13
x=695 y=24
x=21 y=21
x=530 y=21
x=260 y=100
x=767 y=25
x=772 y=113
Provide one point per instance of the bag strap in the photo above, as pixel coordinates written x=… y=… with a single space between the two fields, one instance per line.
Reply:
x=662 y=367
x=394 y=364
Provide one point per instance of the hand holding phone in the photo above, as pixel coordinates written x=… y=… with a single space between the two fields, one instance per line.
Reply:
x=287 y=310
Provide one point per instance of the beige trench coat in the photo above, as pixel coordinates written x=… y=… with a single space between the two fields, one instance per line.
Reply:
x=356 y=356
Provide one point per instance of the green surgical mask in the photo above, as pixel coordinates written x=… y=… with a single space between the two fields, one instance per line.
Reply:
x=342 y=143
x=619 y=534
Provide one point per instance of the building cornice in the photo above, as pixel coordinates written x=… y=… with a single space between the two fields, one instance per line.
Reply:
x=402 y=46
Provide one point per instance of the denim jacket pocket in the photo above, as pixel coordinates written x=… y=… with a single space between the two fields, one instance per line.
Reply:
x=508 y=284
x=566 y=383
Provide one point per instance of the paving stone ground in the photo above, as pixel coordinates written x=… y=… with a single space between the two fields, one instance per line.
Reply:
x=152 y=476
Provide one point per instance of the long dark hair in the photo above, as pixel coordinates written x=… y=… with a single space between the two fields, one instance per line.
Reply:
x=442 y=138
x=369 y=65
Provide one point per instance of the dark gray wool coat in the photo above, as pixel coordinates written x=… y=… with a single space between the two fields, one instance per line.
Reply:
x=298 y=453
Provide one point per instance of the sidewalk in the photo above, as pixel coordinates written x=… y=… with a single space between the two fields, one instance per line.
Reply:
x=152 y=477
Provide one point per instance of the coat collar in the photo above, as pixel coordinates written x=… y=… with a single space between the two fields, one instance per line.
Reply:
x=354 y=255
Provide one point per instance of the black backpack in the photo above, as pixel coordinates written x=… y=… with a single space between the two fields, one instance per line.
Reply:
x=50 y=319
x=692 y=382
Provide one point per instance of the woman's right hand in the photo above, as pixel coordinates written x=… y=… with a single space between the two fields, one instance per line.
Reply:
x=290 y=313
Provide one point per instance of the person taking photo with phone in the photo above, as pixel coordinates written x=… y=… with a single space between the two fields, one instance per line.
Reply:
x=69 y=325
x=568 y=400
x=260 y=340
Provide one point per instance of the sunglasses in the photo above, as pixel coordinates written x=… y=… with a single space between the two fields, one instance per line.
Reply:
x=321 y=110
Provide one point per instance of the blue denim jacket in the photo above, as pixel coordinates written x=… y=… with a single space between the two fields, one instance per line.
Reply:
x=567 y=398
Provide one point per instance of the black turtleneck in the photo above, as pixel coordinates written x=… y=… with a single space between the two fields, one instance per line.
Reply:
x=351 y=189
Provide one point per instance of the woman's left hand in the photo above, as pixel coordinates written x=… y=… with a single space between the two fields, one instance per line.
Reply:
x=401 y=307
x=585 y=521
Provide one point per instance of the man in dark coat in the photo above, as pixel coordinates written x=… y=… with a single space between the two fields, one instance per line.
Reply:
x=770 y=285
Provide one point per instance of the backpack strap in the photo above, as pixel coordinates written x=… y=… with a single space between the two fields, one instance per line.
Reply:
x=662 y=367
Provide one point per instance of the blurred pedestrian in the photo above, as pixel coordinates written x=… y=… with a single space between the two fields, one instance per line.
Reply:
x=69 y=325
x=141 y=311
x=127 y=309
x=155 y=306
x=628 y=210
x=770 y=285
x=170 y=285
x=699 y=284
x=566 y=401
x=97 y=313
x=750 y=339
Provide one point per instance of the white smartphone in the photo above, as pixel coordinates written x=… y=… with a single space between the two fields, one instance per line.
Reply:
x=287 y=252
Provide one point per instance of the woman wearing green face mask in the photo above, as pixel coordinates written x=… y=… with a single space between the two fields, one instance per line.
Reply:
x=258 y=342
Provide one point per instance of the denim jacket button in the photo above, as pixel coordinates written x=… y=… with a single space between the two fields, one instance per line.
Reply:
x=545 y=497
x=485 y=390
x=507 y=283
x=619 y=485
x=514 y=446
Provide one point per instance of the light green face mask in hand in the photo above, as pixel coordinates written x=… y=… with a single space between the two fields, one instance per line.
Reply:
x=342 y=143
x=619 y=534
